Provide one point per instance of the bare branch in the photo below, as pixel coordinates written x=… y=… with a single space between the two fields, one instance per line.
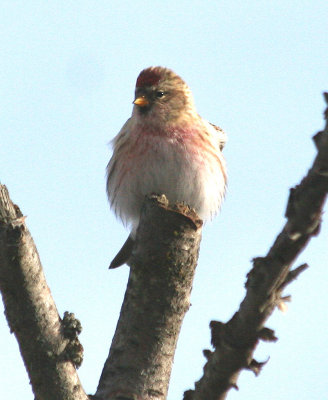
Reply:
x=236 y=340
x=163 y=263
x=31 y=311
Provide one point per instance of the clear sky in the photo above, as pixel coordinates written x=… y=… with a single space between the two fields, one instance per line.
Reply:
x=258 y=69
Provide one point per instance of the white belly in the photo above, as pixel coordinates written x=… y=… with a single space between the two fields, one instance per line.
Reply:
x=169 y=167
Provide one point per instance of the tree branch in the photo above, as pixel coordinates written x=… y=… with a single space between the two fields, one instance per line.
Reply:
x=162 y=265
x=45 y=343
x=235 y=341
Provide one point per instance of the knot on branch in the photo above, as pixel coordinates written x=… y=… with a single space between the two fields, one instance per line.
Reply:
x=300 y=221
x=207 y=354
x=259 y=276
x=188 y=394
x=71 y=328
x=8 y=210
x=118 y=395
x=291 y=276
x=267 y=335
x=217 y=333
x=256 y=366
x=179 y=208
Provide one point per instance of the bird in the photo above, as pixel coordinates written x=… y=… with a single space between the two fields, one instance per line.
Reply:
x=165 y=147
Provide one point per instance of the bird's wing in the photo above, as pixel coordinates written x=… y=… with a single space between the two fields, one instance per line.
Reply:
x=222 y=136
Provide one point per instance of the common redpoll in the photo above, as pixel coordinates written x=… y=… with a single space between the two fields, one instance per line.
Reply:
x=164 y=148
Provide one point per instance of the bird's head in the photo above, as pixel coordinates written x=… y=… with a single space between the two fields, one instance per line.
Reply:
x=162 y=95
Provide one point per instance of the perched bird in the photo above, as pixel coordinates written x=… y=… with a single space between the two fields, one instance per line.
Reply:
x=165 y=147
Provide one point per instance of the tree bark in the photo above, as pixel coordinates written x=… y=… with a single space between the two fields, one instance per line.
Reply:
x=236 y=340
x=31 y=312
x=162 y=265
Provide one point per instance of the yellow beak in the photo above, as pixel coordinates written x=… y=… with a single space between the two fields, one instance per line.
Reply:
x=141 y=101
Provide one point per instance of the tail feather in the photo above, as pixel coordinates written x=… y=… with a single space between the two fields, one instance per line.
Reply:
x=124 y=254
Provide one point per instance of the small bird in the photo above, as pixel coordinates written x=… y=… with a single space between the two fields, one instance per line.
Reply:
x=165 y=147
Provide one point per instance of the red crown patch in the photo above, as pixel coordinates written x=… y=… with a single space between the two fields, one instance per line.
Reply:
x=148 y=77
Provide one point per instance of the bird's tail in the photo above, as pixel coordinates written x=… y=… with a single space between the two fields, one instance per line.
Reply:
x=124 y=254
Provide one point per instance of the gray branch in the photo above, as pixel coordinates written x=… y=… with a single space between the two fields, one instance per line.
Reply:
x=235 y=341
x=31 y=312
x=162 y=265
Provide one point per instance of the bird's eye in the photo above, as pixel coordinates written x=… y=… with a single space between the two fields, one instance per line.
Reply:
x=160 y=94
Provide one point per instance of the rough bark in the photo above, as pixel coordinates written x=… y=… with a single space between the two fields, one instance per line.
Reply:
x=162 y=269
x=162 y=265
x=235 y=341
x=31 y=312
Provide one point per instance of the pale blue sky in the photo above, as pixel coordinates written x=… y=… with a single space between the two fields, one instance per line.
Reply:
x=257 y=69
